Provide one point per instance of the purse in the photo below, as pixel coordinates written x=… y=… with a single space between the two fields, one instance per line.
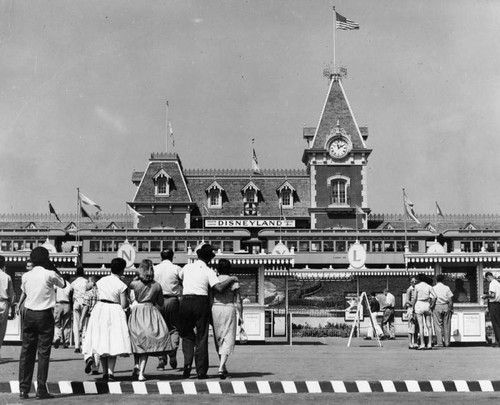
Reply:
x=243 y=335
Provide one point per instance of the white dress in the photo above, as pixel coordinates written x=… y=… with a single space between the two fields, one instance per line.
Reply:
x=107 y=332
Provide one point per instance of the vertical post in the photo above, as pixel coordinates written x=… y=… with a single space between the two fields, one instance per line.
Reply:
x=334 y=29
x=288 y=324
x=404 y=220
x=167 y=128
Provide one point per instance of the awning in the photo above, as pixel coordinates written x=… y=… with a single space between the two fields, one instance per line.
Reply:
x=454 y=257
x=347 y=274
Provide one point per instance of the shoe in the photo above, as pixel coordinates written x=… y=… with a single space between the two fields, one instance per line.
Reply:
x=187 y=372
x=105 y=376
x=111 y=377
x=222 y=375
x=141 y=378
x=23 y=395
x=77 y=350
x=173 y=363
x=88 y=365
x=57 y=343
x=44 y=395
x=392 y=338
x=161 y=365
x=135 y=373
x=95 y=372
x=367 y=338
x=421 y=348
x=202 y=376
x=66 y=345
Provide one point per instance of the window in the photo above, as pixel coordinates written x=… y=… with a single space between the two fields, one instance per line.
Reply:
x=216 y=244
x=291 y=244
x=155 y=246
x=477 y=246
x=339 y=192
x=400 y=246
x=315 y=246
x=192 y=244
x=250 y=195
x=95 y=246
x=340 y=246
x=214 y=192
x=328 y=246
x=304 y=246
x=228 y=246
x=167 y=244
x=143 y=246
x=180 y=246
x=161 y=181
x=6 y=245
x=107 y=245
x=285 y=194
x=413 y=246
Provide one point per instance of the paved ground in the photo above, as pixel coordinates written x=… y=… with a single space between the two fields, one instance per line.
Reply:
x=362 y=366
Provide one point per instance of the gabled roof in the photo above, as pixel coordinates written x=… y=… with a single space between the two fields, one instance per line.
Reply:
x=285 y=184
x=214 y=185
x=161 y=173
x=250 y=184
x=337 y=111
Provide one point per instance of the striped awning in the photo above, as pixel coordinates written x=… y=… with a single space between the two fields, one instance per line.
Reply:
x=454 y=257
x=347 y=274
x=23 y=256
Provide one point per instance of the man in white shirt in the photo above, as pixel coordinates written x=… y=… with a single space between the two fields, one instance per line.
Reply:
x=79 y=286
x=194 y=310
x=62 y=314
x=38 y=325
x=388 y=319
x=442 y=312
x=168 y=275
x=7 y=297
x=494 y=305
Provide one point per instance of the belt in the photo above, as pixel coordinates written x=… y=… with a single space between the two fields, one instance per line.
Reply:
x=109 y=302
x=62 y=302
x=194 y=296
x=170 y=296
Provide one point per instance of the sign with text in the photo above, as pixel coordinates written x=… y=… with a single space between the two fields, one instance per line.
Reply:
x=357 y=255
x=127 y=253
x=249 y=223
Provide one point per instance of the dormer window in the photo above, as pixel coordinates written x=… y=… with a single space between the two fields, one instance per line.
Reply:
x=214 y=195
x=250 y=193
x=162 y=183
x=285 y=195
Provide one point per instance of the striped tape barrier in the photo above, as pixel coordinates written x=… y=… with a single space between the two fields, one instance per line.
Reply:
x=258 y=387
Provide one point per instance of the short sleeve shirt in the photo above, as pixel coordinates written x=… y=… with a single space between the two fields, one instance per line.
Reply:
x=110 y=288
x=495 y=288
x=79 y=288
x=38 y=285
x=424 y=291
x=443 y=294
x=197 y=278
x=168 y=276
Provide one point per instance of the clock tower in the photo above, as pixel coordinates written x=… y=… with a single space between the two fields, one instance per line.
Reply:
x=336 y=158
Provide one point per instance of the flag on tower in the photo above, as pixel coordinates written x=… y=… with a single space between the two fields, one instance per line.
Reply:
x=255 y=162
x=171 y=133
x=133 y=212
x=88 y=201
x=53 y=211
x=438 y=210
x=343 y=23
x=409 y=208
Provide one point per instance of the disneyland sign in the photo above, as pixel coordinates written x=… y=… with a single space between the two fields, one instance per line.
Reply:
x=249 y=223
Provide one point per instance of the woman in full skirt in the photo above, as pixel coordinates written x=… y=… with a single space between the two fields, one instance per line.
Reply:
x=149 y=334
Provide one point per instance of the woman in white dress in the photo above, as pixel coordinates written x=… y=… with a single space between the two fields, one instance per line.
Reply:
x=226 y=310
x=107 y=332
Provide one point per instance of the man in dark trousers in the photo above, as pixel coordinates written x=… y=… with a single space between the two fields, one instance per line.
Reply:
x=194 y=309
x=38 y=324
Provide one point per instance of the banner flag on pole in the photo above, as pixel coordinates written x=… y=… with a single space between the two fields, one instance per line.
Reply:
x=133 y=212
x=171 y=133
x=88 y=201
x=205 y=209
x=409 y=208
x=53 y=211
x=438 y=210
x=85 y=214
x=255 y=162
x=359 y=210
x=343 y=23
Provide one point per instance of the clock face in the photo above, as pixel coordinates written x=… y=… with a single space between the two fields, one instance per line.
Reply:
x=338 y=148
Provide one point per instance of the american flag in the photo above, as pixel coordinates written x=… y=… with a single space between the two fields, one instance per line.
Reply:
x=343 y=23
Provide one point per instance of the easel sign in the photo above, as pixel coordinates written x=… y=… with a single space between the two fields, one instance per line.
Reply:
x=359 y=313
x=352 y=302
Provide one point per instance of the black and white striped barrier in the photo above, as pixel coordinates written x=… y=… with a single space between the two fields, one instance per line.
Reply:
x=258 y=387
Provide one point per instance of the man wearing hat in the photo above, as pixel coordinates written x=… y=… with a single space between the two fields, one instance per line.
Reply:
x=38 y=325
x=194 y=309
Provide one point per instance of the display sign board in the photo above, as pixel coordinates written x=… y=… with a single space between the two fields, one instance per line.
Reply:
x=127 y=253
x=249 y=223
x=357 y=255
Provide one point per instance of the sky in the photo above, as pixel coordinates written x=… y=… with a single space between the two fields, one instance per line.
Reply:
x=84 y=86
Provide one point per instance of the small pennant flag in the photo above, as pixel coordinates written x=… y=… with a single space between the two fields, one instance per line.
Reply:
x=359 y=210
x=53 y=211
x=85 y=214
x=88 y=201
x=438 y=210
x=133 y=212
x=409 y=208
x=343 y=23
x=282 y=215
x=205 y=209
x=255 y=164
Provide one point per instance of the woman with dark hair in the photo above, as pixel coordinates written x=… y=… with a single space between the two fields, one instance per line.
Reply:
x=107 y=332
x=226 y=308
x=148 y=331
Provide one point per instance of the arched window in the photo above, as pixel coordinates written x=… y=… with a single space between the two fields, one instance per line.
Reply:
x=161 y=181
x=214 y=199
x=339 y=192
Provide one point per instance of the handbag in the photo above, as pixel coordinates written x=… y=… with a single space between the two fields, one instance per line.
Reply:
x=243 y=335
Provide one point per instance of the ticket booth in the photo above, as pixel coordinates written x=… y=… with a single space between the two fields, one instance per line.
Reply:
x=16 y=267
x=250 y=270
x=464 y=274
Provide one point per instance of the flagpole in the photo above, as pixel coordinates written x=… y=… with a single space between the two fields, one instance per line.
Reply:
x=334 y=29
x=166 y=129
x=126 y=222
x=404 y=216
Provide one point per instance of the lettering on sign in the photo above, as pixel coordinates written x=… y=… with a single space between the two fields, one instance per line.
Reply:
x=127 y=253
x=249 y=223
x=357 y=255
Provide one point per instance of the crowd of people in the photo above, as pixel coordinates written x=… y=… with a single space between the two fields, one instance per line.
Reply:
x=161 y=306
